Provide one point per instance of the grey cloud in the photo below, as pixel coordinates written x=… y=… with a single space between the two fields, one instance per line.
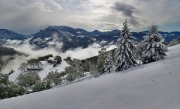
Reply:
x=25 y=17
x=109 y=26
x=133 y=21
x=29 y=16
x=75 y=5
x=126 y=9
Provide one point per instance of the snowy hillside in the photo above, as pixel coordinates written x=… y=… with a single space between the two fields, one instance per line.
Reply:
x=151 y=86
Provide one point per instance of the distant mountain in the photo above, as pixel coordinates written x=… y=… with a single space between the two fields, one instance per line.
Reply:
x=8 y=34
x=64 y=37
x=169 y=36
x=5 y=51
x=61 y=38
x=71 y=38
x=68 y=29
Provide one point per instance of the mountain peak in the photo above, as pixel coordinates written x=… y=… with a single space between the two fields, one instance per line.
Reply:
x=9 y=34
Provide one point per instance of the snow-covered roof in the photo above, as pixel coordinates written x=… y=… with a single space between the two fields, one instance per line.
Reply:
x=51 y=58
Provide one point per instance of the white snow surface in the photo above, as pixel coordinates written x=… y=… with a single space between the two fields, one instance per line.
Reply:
x=48 y=68
x=151 y=86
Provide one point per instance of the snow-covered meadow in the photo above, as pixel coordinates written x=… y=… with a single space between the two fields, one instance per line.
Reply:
x=151 y=86
x=46 y=68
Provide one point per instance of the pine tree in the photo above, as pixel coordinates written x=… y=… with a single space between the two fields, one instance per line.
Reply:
x=125 y=55
x=86 y=66
x=155 y=49
x=93 y=70
x=101 y=60
x=78 y=68
x=71 y=75
x=108 y=65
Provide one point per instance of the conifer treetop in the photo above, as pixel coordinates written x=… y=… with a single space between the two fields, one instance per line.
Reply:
x=153 y=35
x=155 y=49
x=125 y=32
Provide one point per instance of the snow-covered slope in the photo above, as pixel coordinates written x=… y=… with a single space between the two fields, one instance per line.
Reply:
x=151 y=86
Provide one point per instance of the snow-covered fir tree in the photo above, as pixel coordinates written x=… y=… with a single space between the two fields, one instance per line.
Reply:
x=71 y=75
x=78 y=68
x=108 y=65
x=155 y=49
x=93 y=70
x=125 y=56
x=86 y=66
x=101 y=60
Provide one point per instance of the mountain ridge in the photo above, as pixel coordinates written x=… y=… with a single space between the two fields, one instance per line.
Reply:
x=70 y=38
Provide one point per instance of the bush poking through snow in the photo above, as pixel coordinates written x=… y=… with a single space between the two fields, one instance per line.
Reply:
x=28 y=79
x=9 y=89
x=41 y=85
x=54 y=78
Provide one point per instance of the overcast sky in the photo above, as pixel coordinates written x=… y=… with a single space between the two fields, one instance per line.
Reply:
x=29 y=16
